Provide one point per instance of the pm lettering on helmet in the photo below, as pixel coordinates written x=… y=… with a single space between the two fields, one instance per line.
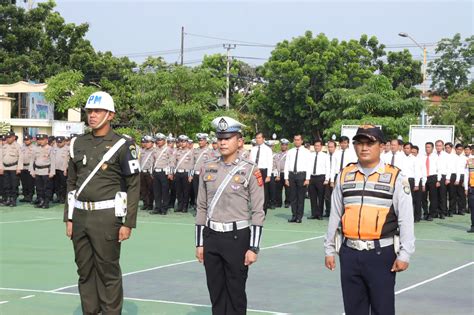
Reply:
x=94 y=99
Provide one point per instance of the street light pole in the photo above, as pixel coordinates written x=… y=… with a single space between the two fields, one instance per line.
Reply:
x=423 y=70
x=228 y=47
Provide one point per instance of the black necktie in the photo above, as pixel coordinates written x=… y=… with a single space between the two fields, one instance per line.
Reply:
x=296 y=159
x=315 y=163
x=258 y=156
x=330 y=158
x=342 y=160
x=393 y=159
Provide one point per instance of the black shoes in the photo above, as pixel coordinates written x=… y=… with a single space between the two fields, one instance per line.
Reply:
x=292 y=220
x=471 y=230
x=298 y=221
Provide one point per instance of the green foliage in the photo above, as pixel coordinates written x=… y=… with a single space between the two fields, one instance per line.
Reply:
x=450 y=72
x=402 y=69
x=458 y=110
x=376 y=102
x=131 y=132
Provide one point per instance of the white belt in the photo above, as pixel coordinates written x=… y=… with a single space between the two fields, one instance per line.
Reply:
x=147 y=171
x=197 y=172
x=181 y=171
x=227 y=227
x=159 y=170
x=98 y=205
x=368 y=245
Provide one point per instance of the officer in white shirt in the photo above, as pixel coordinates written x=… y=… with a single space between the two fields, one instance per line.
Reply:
x=452 y=175
x=444 y=170
x=460 y=184
x=262 y=155
x=431 y=181
x=332 y=176
x=297 y=175
x=320 y=177
x=413 y=170
x=395 y=157
x=345 y=155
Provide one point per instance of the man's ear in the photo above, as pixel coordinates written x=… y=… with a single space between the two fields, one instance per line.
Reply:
x=111 y=116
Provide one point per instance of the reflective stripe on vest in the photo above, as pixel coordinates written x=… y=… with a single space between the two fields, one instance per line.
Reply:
x=368 y=204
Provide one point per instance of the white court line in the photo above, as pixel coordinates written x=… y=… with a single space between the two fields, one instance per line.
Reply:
x=448 y=241
x=191 y=261
x=31 y=220
x=132 y=299
x=3 y=302
x=27 y=297
x=434 y=278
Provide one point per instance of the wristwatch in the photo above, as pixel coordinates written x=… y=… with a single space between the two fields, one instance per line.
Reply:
x=254 y=249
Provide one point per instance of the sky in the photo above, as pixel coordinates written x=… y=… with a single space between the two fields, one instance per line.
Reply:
x=141 y=28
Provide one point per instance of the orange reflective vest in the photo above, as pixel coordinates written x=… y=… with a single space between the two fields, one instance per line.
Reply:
x=470 y=165
x=368 y=203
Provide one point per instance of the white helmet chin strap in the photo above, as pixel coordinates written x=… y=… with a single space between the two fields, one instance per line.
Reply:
x=102 y=122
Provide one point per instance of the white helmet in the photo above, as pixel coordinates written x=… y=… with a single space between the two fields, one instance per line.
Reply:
x=100 y=100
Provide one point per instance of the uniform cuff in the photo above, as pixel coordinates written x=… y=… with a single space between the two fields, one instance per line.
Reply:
x=403 y=256
x=199 y=236
x=255 y=235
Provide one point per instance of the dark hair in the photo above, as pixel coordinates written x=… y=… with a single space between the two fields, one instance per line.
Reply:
x=459 y=145
x=298 y=135
x=416 y=148
x=472 y=147
x=400 y=142
x=333 y=142
x=467 y=146
x=449 y=144
x=408 y=143
x=430 y=143
x=385 y=142
x=261 y=134
x=343 y=138
x=318 y=141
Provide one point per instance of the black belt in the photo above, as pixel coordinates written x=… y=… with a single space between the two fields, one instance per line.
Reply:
x=11 y=164
x=26 y=164
x=297 y=173
x=40 y=166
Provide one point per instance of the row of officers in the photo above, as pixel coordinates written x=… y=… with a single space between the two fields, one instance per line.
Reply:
x=171 y=168
x=40 y=167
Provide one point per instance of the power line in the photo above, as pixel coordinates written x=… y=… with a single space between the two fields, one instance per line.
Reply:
x=226 y=39
x=169 y=51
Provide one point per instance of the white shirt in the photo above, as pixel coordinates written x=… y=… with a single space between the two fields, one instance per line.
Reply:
x=303 y=164
x=349 y=157
x=323 y=167
x=443 y=161
x=413 y=168
x=433 y=170
x=332 y=163
x=451 y=159
x=265 y=159
x=399 y=160
x=461 y=167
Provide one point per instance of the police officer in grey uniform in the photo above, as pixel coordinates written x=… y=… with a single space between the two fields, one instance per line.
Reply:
x=102 y=217
x=279 y=162
x=163 y=167
x=12 y=166
x=229 y=220
x=184 y=160
x=215 y=149
x=43 y=169
x=61 y=155
x=201 y=156
x=146 y=176
x=27 y=182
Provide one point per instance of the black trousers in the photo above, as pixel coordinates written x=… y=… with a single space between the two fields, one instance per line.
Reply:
x=226 y=274
x=195 y=184
x=97 y=256
x=182 y=191
x=27 y=185
x=430 y=193
x=297 y=193
x=368 y=285
x=172 y=193
x=461 y=196
x=272 y=191
x=316 y=195
x=452 y=194
x=44 y=187
x=266 y=187
x=10 y=180
x=161 y=191
x=60 y=185
x=2 y=187
x=279 y=186
x=443 y=197
x=146 y=190
x=416 y=197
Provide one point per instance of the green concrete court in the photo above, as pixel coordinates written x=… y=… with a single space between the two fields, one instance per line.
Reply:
x=161 y=276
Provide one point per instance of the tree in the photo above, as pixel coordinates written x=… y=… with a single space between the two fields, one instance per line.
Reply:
x=375 y=102
x=402 y=69
x=450 y=72
x=175 y=100
x=457 y=110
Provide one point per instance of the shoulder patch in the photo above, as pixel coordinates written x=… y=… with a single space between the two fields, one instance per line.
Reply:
x=350 y=177
x=385 y=178
x=258 y=176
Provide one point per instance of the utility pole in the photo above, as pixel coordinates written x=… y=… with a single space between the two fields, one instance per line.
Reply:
x=228 y=47
x=182 y=45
